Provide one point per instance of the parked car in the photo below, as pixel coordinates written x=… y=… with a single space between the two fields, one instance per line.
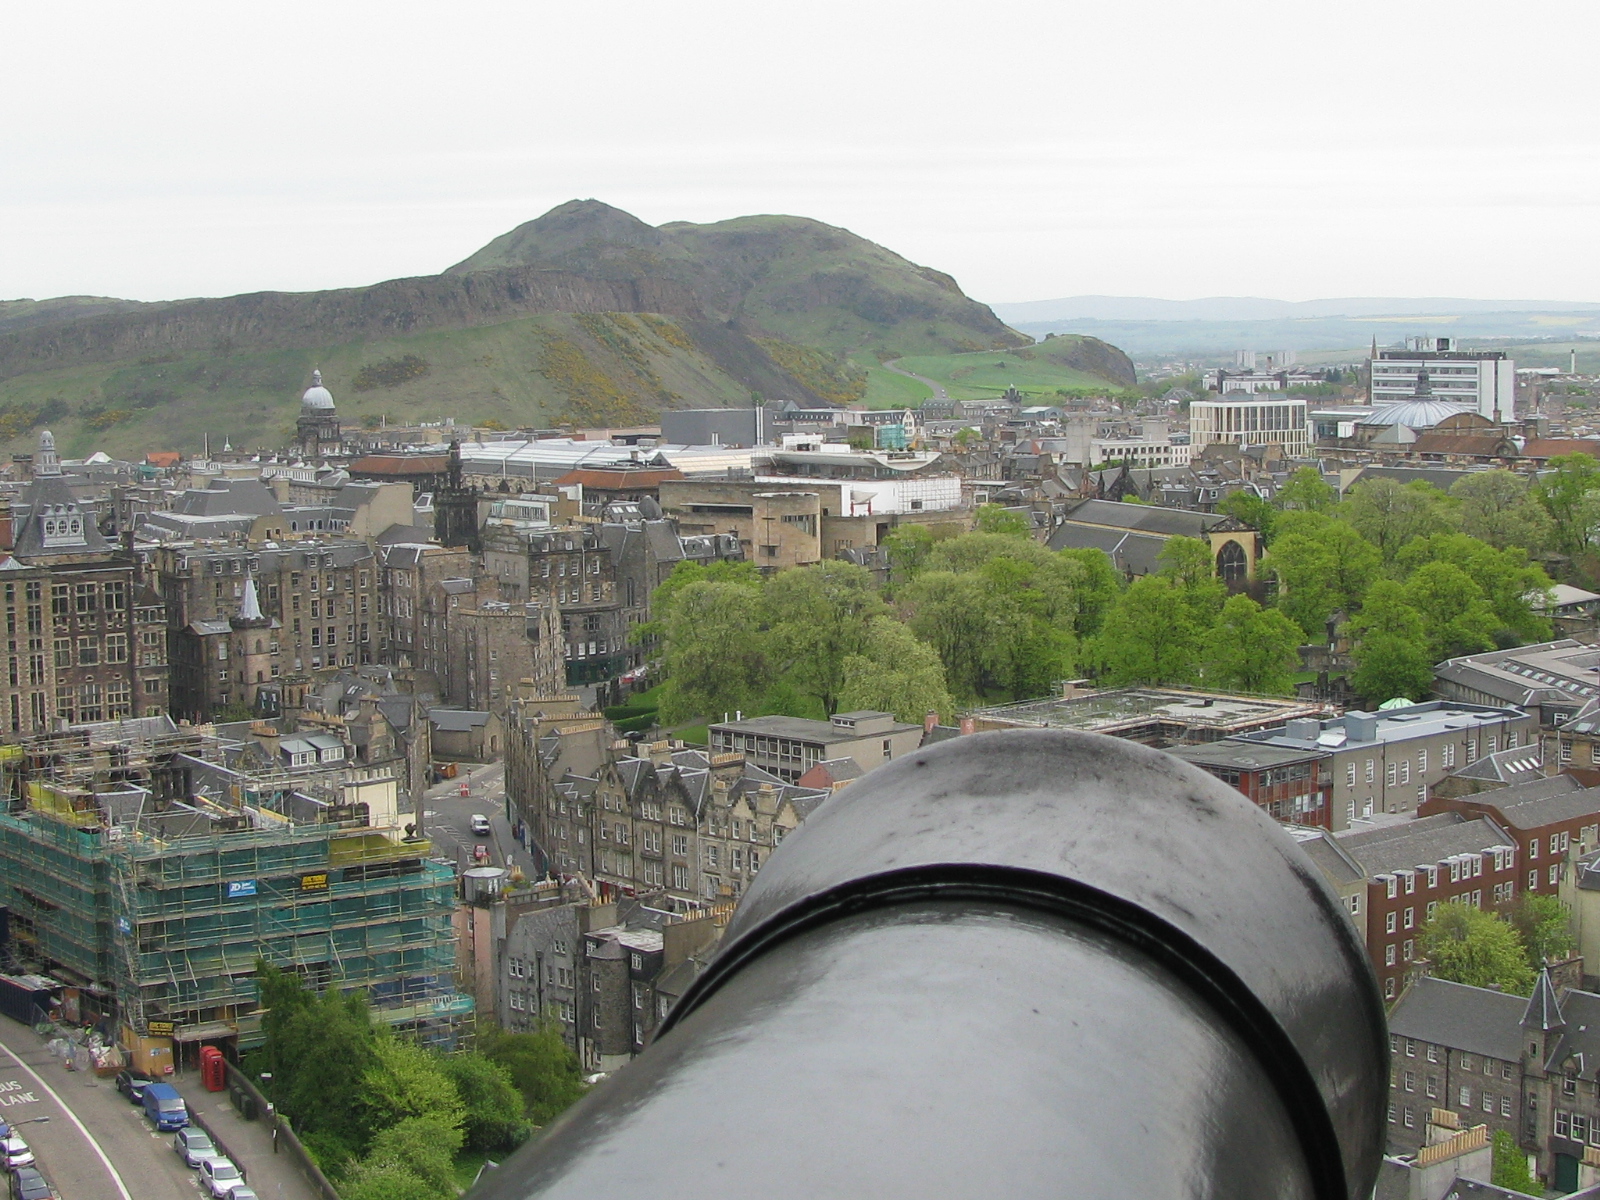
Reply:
x=132 y=1084
x=243 y=1191
x=480 y=823
x=219 y=1176
x=15 y=1151
x=28 y=1184
x=193 y=1146
x=164 y=1107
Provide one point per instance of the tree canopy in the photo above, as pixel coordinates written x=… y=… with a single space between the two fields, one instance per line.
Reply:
x=1472 y=946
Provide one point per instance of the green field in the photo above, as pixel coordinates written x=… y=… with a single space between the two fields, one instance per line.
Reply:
x=978 y=376
x=885 y=389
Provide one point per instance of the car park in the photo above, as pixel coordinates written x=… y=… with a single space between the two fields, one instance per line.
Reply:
x=132 y=1084
x=480 y=823
x=193 y=1146
x=28 y=1184
x=219 y=1176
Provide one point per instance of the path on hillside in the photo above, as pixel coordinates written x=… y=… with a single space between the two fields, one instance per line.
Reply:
x=938 y=388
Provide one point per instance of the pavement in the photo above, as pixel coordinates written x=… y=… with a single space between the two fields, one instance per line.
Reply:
x=248 y=1143
x=94 y=1145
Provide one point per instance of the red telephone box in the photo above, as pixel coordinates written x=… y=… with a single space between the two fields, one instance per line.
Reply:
x=213 y=1074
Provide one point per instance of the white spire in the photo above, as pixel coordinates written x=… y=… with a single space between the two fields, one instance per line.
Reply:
x=250 y=606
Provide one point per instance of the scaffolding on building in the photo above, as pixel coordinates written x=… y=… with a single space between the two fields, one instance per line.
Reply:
x=122 y=877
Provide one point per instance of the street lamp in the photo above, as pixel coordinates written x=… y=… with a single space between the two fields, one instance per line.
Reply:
x=29 y=1121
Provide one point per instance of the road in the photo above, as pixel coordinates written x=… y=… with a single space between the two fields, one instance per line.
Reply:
x=447 y=819
x=939 y=392
x=95 y=1146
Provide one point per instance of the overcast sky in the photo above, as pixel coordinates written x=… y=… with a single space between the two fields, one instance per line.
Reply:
x=1033 y=149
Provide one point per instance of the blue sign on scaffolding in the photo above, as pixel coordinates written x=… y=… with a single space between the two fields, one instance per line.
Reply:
x=242 y=887
x=124 y=925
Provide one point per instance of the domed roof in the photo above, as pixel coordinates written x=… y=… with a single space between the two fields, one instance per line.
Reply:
x=317 y=397
x=1416 y=414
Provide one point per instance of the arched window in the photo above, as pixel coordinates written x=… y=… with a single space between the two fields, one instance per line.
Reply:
x=1232 y=565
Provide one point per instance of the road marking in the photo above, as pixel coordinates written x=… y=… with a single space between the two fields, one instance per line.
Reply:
x=122 y=1188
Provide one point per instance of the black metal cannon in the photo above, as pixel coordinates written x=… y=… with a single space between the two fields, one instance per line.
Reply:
x=1014 y=965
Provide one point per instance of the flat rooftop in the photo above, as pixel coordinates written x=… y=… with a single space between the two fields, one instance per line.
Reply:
x=1125 y=708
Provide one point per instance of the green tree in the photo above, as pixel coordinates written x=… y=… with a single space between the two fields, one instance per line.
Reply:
x=714 y=651
x=1390 y=514
x=388 y=1183
x=319 y=1051
x=680 y=577
x=543 y=1069
x=408 y=1081
x=996 y=518
x=1468 y=945
x=1508 y=582
x=1188 y=564
x=957 y=614
x=908 y=548
x=818 y=618
x=494 y=1119
x=1566 y=492
x=895 y=673
x=1390 y=651
x=1251 y=649
x=1545 y=927
x=1499 y=508
x=1151 y=635
x=1510 y=1170
x=1250 y=509
x=1099 y=586
x=1456 y=617
x=422 y=1147
x=1322 y=567
x=1306 y=491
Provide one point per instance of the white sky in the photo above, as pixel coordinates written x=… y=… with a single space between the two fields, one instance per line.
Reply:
x=1032 y=148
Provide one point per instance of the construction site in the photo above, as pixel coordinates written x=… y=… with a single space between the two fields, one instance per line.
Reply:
x=148 y=866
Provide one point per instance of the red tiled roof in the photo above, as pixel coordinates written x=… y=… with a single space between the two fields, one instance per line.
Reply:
x=401 y=464
x=1550 y=447
x=163 y=458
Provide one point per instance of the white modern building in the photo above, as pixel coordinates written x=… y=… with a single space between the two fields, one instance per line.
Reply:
x=1251 y=420
x=1431 y=366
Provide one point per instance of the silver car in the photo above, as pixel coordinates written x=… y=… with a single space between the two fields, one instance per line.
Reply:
x=193 y=1146
x=16 y=1152
x=219 y=1176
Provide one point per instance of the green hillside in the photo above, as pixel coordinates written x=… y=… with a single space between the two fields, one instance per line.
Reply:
x=585 y=316
x=1065 y=362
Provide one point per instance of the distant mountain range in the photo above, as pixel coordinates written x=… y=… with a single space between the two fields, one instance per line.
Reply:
x=1253 y=308
x=584 y=316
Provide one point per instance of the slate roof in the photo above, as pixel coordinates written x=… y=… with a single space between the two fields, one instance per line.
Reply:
x=47 y=491
x=1579 y=1046
x=1130 y=552
x=1477 y=1020
x=457 y=720
x=1423 y=841
x=1145 y=518
x=1516 y=766
x=1539 y=802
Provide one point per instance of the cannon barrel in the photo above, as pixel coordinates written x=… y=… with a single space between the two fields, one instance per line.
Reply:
x=1020 y=964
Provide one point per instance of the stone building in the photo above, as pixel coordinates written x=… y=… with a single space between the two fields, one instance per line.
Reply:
x=492 y=646
x=323 y=597
x=106 y=657
x=407 y=572
x=576 y=566
x=692 y=825
x=1528 y=1067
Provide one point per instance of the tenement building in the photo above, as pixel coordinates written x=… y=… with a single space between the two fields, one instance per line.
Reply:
x=106 y=655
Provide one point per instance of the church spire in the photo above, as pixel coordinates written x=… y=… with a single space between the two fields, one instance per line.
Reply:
x=249 y=615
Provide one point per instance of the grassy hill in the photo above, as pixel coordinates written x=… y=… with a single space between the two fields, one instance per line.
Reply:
x=1069 y=363
x=585 y=316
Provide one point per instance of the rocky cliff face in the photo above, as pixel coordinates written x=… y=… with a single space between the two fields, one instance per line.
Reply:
x=284 y=320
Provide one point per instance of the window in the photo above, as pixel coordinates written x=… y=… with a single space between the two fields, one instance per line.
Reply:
x=88 y=651
x=1409 y=1081
x=594 y=983
x=1505 y=1106
x=1389 y=775
x=1555 y=874
x=87 y=597
x=1488 y=1102
x=1422 y=762
x=63 y=652
x=1448 y=754
x=1389 y=922
x=1405 y=772
x=1409 y=917
x=1431 y=1087
x=1472 y=750
x=116 y=647
x=1350 y=775
x=1465 y=1098
x=1388 y=955
x=1533 y=880
x=1492 y=744
x=1407 y=951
